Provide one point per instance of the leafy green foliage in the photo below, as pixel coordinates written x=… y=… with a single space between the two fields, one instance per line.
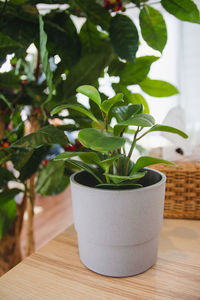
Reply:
x=143 y=120
x=145 y=161
x=170 y=129
x=90 y=92
x=184 y=10
x=108 y=104
x=158 y=88
x=98 y=140
x=8 y=211
x=47 y=135
x=5 y=176
x=124 y=37
x=153 y=28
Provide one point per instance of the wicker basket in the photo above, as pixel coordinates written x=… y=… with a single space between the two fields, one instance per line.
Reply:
x=182 y=199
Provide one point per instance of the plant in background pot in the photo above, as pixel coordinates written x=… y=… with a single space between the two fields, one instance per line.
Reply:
x=118 y=204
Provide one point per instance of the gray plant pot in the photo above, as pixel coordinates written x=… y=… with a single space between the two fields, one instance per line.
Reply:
x=118 y=230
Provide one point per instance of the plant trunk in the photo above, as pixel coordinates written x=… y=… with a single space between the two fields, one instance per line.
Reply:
x=30 y=240
x=10 y=248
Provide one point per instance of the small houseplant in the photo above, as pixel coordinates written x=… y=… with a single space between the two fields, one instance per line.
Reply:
x=118 y=204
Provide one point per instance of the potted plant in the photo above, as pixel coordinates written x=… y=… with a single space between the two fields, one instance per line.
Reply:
x=118 y=204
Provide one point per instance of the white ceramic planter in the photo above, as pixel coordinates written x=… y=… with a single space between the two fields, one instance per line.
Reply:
x=118 y=231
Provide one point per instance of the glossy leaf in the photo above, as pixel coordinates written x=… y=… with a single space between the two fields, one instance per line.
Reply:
x=107 y=163
x=91 y=157
x=125 y=112
x=108 y=104
x=99 y=141
x=143 y=120
x=121 y=186
x=158 y=88
x=153 y=28
x=145 y=161
x=184 y=10
x=44 y=58
x=166 y=128
x=90 y=92
x=5 y=176
x=118 y=178
x=91 y=170
x=90 y=38
x=76 y=107
x=124 y=37
x=50 y=178
x=47 y=135
x=137 y=72
x=8 y=212
x=138 y=99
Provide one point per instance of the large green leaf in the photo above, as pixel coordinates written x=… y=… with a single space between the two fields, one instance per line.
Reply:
x=107 y=163
x=90 y=37
x=143 y=120
x=158 y=88
x=153 y=28
x=90 y=92
x=145 y=161
x=87 y=70
x=5 y=176
x=94 y=12
x=76 y=107
x=135 y=98
x=99 y=141
x=166 y=128
x=137 y=72
x=91 y=170
x=5 y=154
x=184 y=10
x=50 y=178
x=8 y=211
x=91 y=157
x=124 y=37
x=44 y=59
x=125 y=112
x=108 y=104
x=119 y=178
x=47 y=135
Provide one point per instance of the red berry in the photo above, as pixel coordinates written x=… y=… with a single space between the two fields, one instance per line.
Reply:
x=78 y=144
x=117 y=8
x=5 y=144
x=73 y=148
x=45 y=162
x=67 y=147
x=24 y=82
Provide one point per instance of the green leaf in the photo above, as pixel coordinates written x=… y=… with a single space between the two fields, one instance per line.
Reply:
x=184 y=10
x=108 y=104
x=143 y=120
x=125 y=112
x=119 y=178
x=8 y=42
x=44 y=59
x=8 y=212
x=50 y=177
x=107 y=163
x=91 y=157
x=124 y=37
x=5 y=154
x=87 y=70
x=120 y=186
x=145 y=161
x=47 y=135
x=90 y=92
x=99 y=141
x=76 y=107
x=8 y=194
x=153 y=28
x=95 y=12
x=166 y=128
x=5 y=176
x=137 y=72
x=138 y=99
x=158 y=88
x=91 y=170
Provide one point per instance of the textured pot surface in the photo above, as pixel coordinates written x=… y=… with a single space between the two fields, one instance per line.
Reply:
x=118 y=230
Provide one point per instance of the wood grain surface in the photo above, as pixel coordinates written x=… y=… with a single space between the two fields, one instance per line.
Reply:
x=56 y=273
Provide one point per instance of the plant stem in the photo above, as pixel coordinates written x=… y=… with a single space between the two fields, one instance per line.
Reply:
x=131 y=150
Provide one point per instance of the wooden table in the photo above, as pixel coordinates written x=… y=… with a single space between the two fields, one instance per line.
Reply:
x=56 y=273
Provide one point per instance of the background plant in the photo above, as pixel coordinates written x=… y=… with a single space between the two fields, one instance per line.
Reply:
x=106 y=44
